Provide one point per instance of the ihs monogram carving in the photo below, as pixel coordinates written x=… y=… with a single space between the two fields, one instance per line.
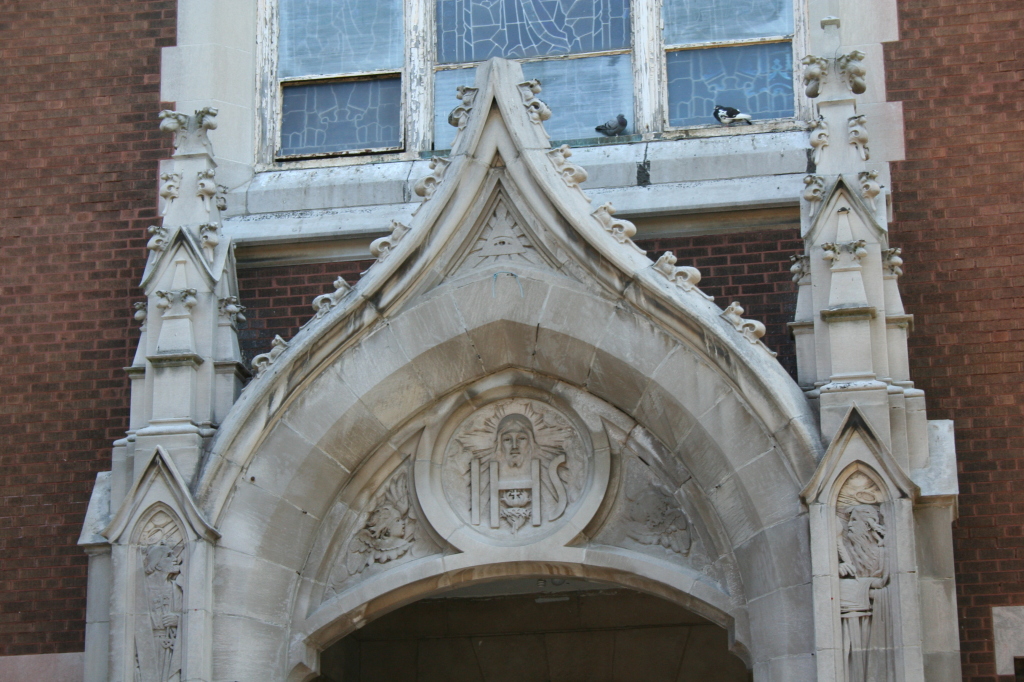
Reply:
x=460 y=114
x=863 y=580
x=536 y=109
x=514 y=467
x=159 y=600
x=857 y=134
x=502 y=241
x=655 y=519
x=389 y=531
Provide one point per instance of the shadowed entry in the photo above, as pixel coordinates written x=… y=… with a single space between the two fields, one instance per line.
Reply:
x=536 y=629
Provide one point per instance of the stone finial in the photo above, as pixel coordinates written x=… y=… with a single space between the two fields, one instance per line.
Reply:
x=857 y=134
x=684 y=276
x=460 y=114
x=382 y=247
x=819 y=139
x=572 y=174
x=158 y=238
x=261 y=363
x=815 y=74
x=323 y=303
x=425 y=187
x=852 y=71
x=190 y=131
x=620 y=229
x=536 y=109
x=752 y=330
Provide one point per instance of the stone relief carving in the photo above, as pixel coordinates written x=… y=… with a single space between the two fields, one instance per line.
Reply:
x=261 y=363
x=460 y=114
x=426 y=186
x=158 y=238
x=159 y=600
x=852 y=71
x=815 y=74
x=170 y=186
x=683 y=276
x=537 y=110
x=869 y=187
x=514 y=467
x=801 y=266
x=752 y=330
x=845 y=253
x=209 y=237
x=381 y=247
x=572 y=174
x=190 y=131
x=323 y=303
x=389 y=531
x=819 y=139
x=892 y=261
x=863 y=580
x=230 y=308
x=857 y=134
x=206 y=186
x=655 y=519
x=221 y=198
x=814 y=189
x=502 y=241
x=140 y=313
x=620 y=229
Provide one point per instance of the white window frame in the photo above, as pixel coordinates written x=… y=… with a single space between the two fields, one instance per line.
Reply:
x=647 y=51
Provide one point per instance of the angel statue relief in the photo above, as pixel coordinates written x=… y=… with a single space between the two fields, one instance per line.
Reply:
x=515 y=465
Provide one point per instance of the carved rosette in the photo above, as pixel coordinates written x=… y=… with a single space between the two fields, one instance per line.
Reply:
x=512 y=470
x=159 y=584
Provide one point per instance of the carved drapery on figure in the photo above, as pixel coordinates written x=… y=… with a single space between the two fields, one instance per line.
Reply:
x=159 y=599
x=863 y=580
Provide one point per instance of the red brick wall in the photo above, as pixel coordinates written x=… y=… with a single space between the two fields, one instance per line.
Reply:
x=959 y=209
x=79 y=144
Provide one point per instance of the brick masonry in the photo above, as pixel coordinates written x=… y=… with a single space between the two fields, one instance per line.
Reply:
x=959 y=212
x=79 y=93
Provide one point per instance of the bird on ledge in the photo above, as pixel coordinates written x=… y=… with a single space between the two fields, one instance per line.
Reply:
x=729 y=115
x=612 y=127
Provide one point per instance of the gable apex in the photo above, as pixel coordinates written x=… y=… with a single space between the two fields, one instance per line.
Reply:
x=841 y=191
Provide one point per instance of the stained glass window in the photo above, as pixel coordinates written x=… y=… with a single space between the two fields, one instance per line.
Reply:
x=756 y=79
x=476 y=30
x=700 y=21
x=324 y=118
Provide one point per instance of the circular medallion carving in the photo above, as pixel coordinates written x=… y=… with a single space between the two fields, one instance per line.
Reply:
x=514 y=469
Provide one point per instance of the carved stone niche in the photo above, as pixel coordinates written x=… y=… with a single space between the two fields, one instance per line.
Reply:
x=515 y=466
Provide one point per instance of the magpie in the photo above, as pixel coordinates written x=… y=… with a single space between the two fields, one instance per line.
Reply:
x=728 y=115
x=612 y=127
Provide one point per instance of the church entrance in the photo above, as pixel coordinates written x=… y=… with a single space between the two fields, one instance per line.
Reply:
x=536 y=629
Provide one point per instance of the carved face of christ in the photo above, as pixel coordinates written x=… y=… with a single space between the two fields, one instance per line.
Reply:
x=515 y=440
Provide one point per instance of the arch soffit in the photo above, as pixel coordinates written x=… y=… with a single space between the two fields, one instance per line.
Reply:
x=415 y=265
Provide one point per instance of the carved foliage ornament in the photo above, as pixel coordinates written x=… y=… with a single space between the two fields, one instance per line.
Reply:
x=381 y=248
x=815 y=74
x=190 y=131
x=863 y=579
x=513 y=468
x=323 y=303
x=572 y=175
x=620 y=229
x=159 y=600
x=819 y=139
x=844 y=254
x=852 y=71
x=800 y=268
x=389 y=530
x=261 y=363
x=655 y=519
x=752 y=330
x=857 y=134
x=892 y=261
x=814 y=189
x=536 y=109
x=231 y=309
x=869 y=187
x=177 y=301
x=425 y=187
x=158 y=238
x=683 y=276
x=460 y=114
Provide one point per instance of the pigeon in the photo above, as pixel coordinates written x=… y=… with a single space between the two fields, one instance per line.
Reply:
x=728 y=115
x=613 y=127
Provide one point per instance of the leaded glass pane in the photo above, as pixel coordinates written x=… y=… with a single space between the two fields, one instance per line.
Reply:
x=701 y=21
x=756 y=79
x=476 y=30
x=322 y=118
x=326 y=37
x=582 y=93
